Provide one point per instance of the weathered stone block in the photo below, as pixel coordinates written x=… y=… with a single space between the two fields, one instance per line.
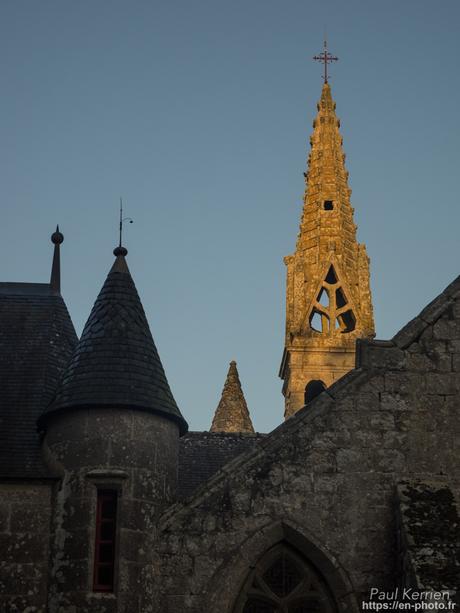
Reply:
x=352 y=460
x=403 y=421
x=4 y=517
x=456 y=362
x=404 y=384
x=21 y=604
x=420 y=362
x=29 y=518
x=456 y=307
x=392 y=401
x=446 y=328
x=135 y=546
x=21 y=548
x=138 y=515
x=100 y=602
x=23 y=579
x=368 y=401
x=429 y=405
x=453 y=345
x=394 y=440
x=73 y=576
x=383 y=420
x=409 y=333
x=435 y=309
x=384 y=357
x=389 y=460
x=442 y=383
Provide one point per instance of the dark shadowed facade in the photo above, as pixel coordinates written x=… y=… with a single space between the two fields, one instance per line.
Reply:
x=109 y=505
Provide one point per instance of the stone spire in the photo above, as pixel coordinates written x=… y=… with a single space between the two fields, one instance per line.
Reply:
x=328 y=301
x=232 y=414
x=116 y=363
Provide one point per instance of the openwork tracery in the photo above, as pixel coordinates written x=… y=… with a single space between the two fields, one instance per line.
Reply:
x=331 y=312
x=283 y=582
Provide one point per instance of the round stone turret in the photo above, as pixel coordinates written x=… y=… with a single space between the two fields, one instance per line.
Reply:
x=112 y=436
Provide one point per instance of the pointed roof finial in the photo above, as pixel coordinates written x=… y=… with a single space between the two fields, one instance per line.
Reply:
x=232 y=414
x=55 y=281
x=120 y=250
x=326 y=58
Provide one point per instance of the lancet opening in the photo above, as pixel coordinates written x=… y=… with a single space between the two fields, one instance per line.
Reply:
x=331 y=277
x=323 y=297
x=340 y=299
x=347 y=322
x=329 y=314
x=319 y=322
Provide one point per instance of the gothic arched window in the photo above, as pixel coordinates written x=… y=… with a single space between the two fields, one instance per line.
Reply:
x=283 y=582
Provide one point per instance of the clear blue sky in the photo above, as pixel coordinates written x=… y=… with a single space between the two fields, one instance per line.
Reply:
x=199 y=115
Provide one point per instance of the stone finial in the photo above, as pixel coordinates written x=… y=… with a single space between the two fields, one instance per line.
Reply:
x=232 y=414
x=57 y=238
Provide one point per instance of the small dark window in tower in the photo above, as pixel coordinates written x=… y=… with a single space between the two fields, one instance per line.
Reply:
x=328 y=205
x=331 y=277
x=104 y=554
x=312 y=389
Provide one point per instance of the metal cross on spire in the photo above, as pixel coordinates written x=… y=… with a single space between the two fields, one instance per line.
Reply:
x=326 y=58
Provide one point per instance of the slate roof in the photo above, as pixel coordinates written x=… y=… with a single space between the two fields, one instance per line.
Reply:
x=37 y=339
x=201 y=454
x=116 y=363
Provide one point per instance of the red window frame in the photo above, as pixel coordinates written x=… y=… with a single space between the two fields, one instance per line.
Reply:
x=104 y=550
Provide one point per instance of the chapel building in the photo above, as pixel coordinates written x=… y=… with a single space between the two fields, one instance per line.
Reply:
x=108 y=504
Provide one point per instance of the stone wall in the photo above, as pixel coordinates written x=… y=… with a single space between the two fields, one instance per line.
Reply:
x=428 y=536
x=25 y=515
x=325 y=481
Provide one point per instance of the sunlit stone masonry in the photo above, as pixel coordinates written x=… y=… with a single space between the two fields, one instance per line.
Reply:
x=328 y=298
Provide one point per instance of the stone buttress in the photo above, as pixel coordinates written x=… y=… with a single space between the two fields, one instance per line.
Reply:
x=328 y=298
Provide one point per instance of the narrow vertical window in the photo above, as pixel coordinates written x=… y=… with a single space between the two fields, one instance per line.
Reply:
x=104 y=554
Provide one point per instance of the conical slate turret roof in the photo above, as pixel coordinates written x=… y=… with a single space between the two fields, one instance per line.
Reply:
x=116 y=363
x=232 y=414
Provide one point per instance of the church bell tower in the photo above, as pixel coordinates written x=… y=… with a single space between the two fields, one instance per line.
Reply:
x=328 y=298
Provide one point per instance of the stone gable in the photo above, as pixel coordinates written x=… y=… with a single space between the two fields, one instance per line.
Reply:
x=325 y=481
